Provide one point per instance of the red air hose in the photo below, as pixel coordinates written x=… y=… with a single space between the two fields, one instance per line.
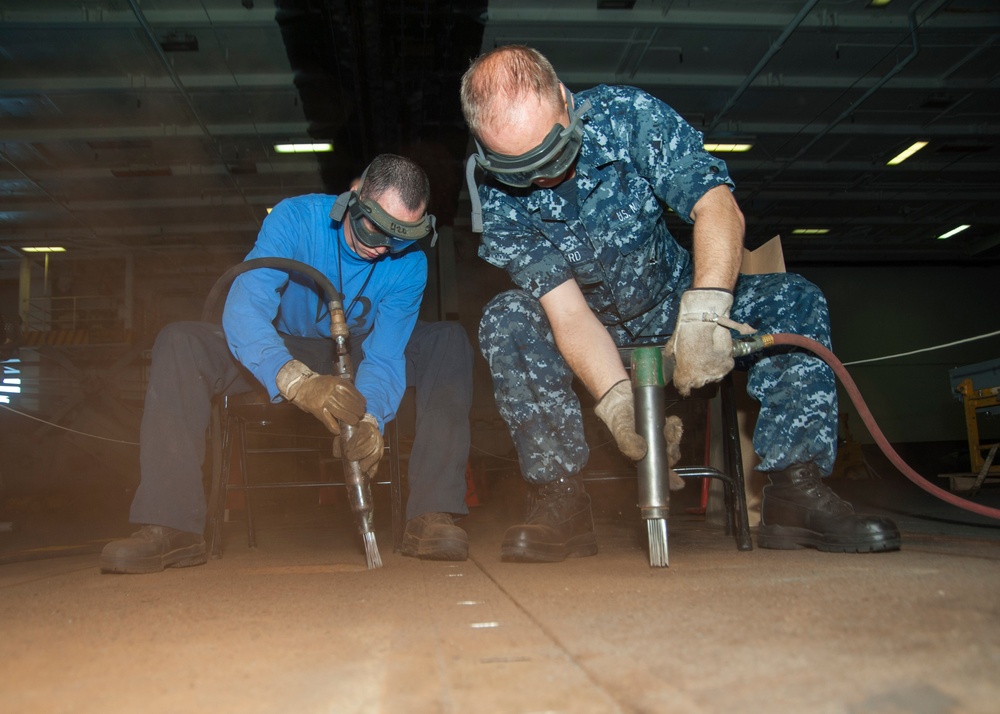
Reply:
x=866 y=416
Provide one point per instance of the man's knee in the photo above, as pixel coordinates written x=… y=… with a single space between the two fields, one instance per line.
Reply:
x=811 y=309
x=444 y=341
x=176 y=335
x=784 y=300
x=193 y=348
x=509 y=314
x=795 y=284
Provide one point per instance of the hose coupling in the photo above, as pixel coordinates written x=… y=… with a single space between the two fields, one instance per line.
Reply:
x=743 y=346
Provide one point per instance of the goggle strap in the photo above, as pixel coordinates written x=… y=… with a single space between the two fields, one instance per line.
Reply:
x=340 y=206
x=470 y=180
x=432 y=220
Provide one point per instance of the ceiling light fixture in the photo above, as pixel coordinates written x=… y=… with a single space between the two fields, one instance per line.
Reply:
x=879 y=3
x=44 y=249
x=727 y=148
x=810 y=231
x=303 y=148
x=953 y=231
x=907 y=153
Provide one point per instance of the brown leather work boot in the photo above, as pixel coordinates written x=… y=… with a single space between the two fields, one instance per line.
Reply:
x=151 y=549
x=560 y=525
x=434 y=536
x=799 y=511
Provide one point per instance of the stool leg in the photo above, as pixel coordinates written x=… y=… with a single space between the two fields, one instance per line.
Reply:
x=650 y=415
x=221 y=490
x=737 y=507
x=251 y=533
x=395 y=487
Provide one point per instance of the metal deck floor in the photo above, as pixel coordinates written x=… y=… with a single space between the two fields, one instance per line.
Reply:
x=300 y=625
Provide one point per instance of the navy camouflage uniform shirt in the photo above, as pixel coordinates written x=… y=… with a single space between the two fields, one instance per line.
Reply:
x=605 y=228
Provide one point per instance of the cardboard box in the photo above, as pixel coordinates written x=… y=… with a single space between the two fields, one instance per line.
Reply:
x=768 y=258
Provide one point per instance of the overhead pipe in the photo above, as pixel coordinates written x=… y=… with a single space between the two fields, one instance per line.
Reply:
x=55 y=200
x=771 y=52
x=147 y=28
x=969 y=57
x=912 y=21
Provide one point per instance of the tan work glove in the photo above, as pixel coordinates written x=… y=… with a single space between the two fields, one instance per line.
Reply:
x=617 y=410
x=673 y=429
x=701 y=347
x=365 y=445
x=327 y=398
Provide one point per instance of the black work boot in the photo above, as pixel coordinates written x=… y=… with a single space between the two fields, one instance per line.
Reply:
x=151 y=549
x=559 y=526
x=799 y=511
x=434 y=536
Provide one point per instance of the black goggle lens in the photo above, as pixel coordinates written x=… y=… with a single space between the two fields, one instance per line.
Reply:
x=381 y=237
x=376 y=238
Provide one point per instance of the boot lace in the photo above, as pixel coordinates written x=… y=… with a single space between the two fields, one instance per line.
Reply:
x=547 y=499
x=827 y=499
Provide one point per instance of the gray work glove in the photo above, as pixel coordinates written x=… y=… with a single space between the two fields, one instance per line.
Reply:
x=365 y=445
x=617 y=410
x=327 y=398
x=701 y=348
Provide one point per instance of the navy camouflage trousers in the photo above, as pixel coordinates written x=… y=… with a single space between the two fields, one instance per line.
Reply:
x=797 y=391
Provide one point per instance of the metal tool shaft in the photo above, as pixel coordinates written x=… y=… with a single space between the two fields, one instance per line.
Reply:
x=358 y=485
x=653 y=470
x=360 y=495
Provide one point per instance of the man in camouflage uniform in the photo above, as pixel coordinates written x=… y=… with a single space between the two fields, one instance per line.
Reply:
x=572 y=207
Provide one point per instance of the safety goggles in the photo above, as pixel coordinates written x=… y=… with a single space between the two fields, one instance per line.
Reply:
x=389 y=232
x=550 y=159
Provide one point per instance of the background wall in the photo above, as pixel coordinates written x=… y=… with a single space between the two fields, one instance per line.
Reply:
x=885 y=310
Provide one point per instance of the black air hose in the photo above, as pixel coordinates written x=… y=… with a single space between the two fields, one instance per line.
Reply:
x=221 y=288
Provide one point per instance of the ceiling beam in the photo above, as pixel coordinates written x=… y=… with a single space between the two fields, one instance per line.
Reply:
x=85 y=16
x=159 y=131
x=283 y=165
x=502 y=16
x=767 y=80
x=146 y=83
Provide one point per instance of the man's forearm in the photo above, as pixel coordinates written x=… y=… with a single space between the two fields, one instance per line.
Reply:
x=593 y=357
x=718 y=240
x=582 y=340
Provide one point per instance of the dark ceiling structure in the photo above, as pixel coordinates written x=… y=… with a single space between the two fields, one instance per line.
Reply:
x=383 y=75
x=151 y=125
x=148 y=125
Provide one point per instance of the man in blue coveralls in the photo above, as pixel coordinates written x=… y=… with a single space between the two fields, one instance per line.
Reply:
x=572 y=207
x=277 y=329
